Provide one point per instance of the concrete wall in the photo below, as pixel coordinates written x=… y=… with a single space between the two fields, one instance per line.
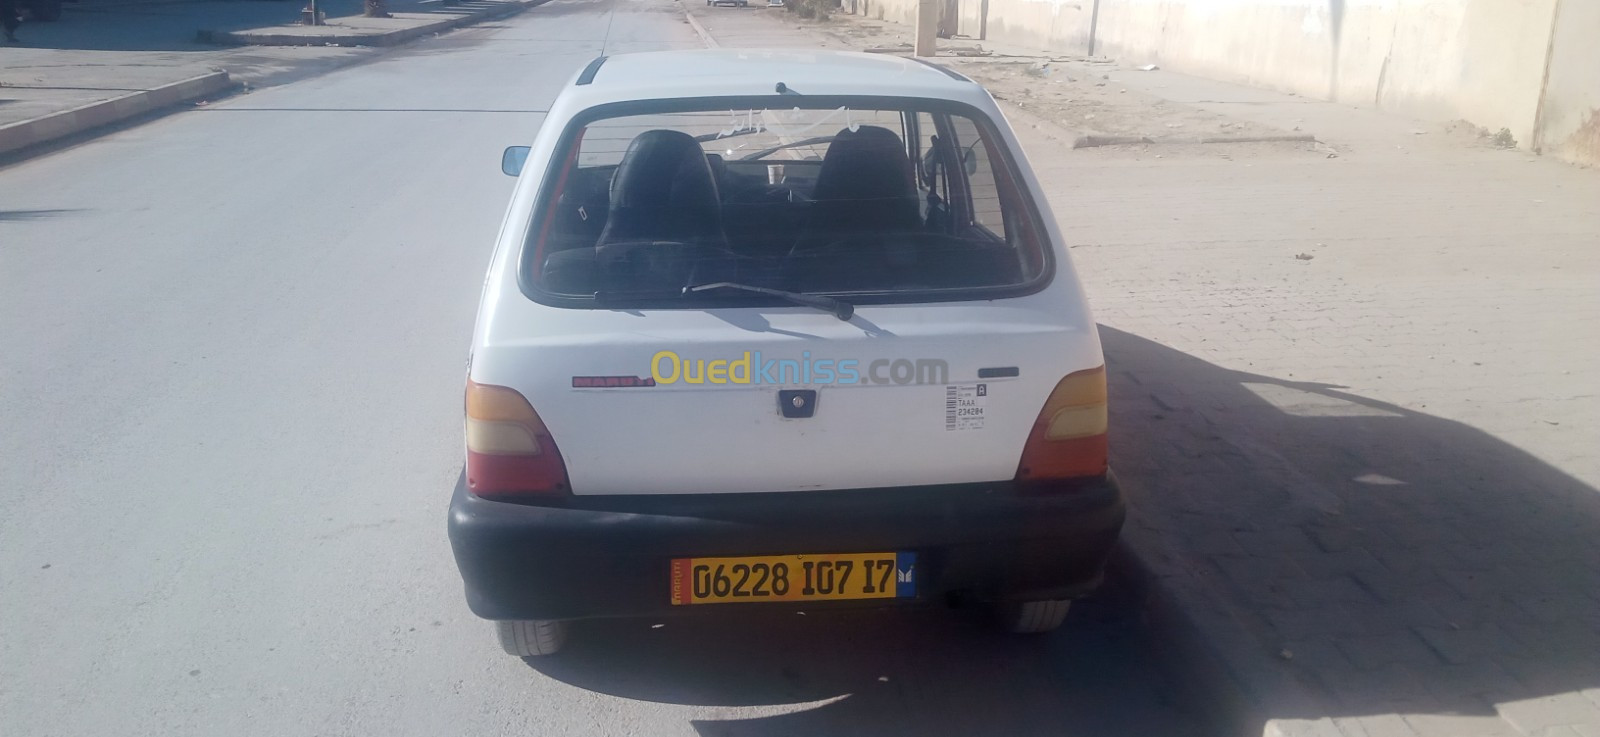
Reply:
x=1479 y=60
x=973 y=17
x=1569 y=118
x=1482 y=60
x=899 y=11
x=1054 y=24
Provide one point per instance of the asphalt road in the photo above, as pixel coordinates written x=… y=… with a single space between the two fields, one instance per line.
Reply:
x=234 y=342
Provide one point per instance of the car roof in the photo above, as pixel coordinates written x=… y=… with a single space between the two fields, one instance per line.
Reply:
x=739 y=72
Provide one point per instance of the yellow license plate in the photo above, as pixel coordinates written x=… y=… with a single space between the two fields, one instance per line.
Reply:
x=824 y=577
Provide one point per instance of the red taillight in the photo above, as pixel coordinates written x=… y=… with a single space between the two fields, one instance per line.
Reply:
x=509 y=449
x=1069 y=437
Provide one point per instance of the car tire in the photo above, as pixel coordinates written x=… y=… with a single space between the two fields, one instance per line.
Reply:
x=531 y=638
x=1035 y=617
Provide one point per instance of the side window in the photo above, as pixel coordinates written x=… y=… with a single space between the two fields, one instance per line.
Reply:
x=986 y=207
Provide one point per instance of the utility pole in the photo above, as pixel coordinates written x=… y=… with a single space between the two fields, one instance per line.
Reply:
x=927 y=27
x=1094 y=25
x=1536 y=140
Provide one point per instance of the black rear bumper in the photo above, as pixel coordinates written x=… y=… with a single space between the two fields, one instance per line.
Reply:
x=610 y=556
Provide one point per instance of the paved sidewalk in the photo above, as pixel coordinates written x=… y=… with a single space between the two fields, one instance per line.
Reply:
x=407 y=21
x=1355 y=403
x=108 y=61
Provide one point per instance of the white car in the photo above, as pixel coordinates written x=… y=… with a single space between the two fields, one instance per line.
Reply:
x=773 y=327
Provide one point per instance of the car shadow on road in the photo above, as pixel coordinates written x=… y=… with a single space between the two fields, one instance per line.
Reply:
x=1392 y=561
x=908 y=672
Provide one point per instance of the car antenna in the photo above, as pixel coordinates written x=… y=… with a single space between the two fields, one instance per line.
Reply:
x=783 y=89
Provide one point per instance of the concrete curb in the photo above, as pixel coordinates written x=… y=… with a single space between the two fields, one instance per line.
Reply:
x=700 y=30
x=374 y=38
x=15 y=136
x=1091 y=141
x=1079 y=139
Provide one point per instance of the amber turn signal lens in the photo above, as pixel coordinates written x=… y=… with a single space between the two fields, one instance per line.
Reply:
x=509 y=449
x=1068 y=439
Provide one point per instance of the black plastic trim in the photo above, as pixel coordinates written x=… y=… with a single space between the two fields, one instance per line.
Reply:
x=606 y=556
x=589 y=71
x=797 y=404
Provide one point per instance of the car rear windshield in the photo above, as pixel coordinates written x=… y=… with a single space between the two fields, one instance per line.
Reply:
x=875 y=203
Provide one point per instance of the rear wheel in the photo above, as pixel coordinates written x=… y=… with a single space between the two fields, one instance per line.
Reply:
x=1033 y=617
x=528 y=638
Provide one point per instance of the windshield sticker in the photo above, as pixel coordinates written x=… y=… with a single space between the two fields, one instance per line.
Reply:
x=964 y=406
x=790 y=133
x=772 y=122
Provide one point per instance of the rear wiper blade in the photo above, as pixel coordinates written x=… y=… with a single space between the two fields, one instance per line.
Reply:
x=837 y=307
